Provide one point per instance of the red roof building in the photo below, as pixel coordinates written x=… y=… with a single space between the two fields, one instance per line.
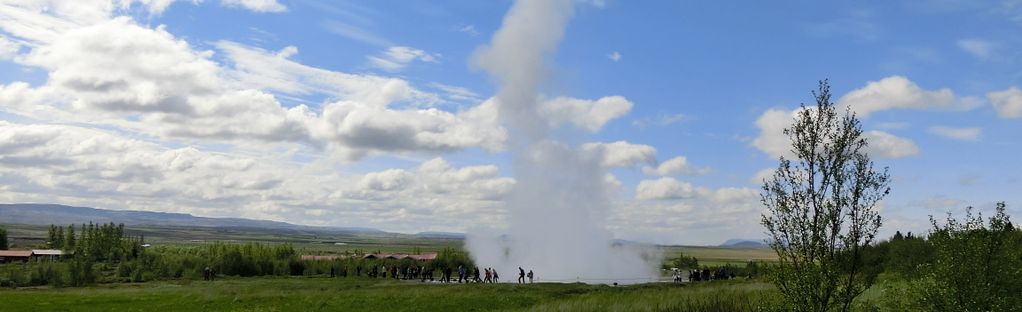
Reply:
x=15 y=255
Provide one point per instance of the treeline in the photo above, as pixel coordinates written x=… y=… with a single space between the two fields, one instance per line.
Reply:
x=974 y=264
x=105 y=253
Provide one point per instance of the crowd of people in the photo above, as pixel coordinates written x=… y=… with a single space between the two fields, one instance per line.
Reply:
x=698 y=275
x=446 y=275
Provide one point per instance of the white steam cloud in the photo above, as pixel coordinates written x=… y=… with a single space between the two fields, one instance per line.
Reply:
x=558 y=205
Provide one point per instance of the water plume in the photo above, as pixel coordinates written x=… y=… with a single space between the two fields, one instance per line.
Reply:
x=558 y=206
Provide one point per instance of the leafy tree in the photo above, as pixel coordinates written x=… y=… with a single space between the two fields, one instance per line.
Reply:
x=683 y=262
x=821 y=208
x=3 y=239
x=976 y=266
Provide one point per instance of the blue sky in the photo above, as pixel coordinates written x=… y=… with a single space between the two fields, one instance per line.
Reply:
x=372 y=113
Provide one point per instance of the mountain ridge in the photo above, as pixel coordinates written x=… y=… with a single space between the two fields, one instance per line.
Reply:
x=45 y=214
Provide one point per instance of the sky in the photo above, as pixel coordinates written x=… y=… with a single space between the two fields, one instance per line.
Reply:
x=377 y=113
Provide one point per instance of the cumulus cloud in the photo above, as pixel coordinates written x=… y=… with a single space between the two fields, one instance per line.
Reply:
x=621 y=153
x=357 y=129
x=893 y=92
x=772 y=140
x=699 y=216
x=97 y=75
x=584 y=114
x=674 y=166
x=961 y=134
x=261 y=6
x=1007 y=103
x=897 y=92
x=663 y=188
x=102 y=66
x=397 y=58
x=84 y=166
x=886 y=145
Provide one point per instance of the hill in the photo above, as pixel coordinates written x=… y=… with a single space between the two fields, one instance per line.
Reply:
x=744 y=243
x=45 y=214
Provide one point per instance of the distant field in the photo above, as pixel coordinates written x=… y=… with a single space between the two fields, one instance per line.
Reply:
x=714 y=256
x=326 y=294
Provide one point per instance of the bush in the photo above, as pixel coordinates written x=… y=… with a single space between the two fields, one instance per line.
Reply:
x=976 y=267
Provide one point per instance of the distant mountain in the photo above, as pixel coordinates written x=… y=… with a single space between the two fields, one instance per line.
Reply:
x=744 y=243
x=44 y=214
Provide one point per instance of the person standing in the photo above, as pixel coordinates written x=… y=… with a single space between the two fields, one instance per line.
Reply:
x=530 y=276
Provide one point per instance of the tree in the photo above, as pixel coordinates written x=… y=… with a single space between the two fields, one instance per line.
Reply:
x=69 y=241
x=821 y=208
x=684 y=262
x=3 y=239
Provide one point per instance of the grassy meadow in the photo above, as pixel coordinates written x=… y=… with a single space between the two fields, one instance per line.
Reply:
x=337 y=294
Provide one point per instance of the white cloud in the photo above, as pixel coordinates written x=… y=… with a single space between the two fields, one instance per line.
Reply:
x=674 y=166
x=894 y=92
x=886 y=145
x=614 y=56
x=101 y=65
x=8 y=48
x=772 y=140
x=702 y=216
x=83 y=166
x=172 y=91
x=273 y=71
x=357 y=130
x=262 y=6
x=961 y=134
x=897 y=92
x=663 y=188
x=979 y=48
x=397 y=58
x=621 y=154
x=1007 y=103
x=584 y=114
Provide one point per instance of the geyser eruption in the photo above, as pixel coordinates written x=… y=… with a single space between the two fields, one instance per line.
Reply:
x=558 y=206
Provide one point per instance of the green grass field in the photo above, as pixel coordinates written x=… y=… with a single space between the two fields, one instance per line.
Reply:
x=326 y=294
x=718 y=256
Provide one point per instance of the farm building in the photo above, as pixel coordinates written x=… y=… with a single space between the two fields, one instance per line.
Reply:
x=15 y=255
x=47 y=254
